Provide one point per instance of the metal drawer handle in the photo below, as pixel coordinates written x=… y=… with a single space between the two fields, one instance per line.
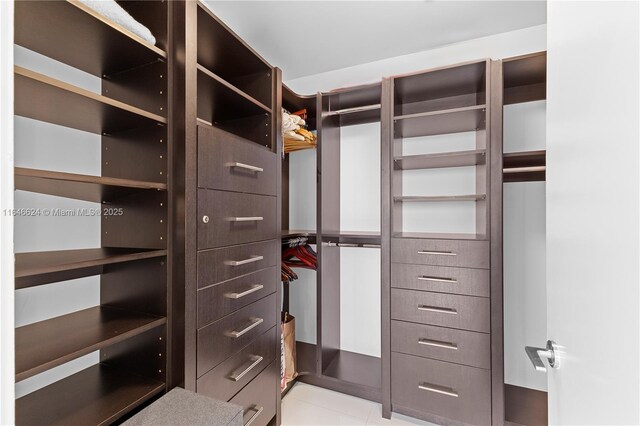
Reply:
x=255 y=416
x=438 y=389
x=253 y=289
x=254 y=323
x=438 y=344
x=244 y=262
x=438 y=310
x=440 y=253
x=439 y=280
x=246 y=219
x=254 y=360
x=246 y=167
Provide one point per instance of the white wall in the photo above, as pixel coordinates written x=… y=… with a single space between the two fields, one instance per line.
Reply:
x=458 y=218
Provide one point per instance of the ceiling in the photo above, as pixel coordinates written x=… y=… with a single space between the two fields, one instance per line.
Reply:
x=310 y=37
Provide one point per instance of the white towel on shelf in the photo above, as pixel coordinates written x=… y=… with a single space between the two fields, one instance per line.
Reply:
x=114 y=12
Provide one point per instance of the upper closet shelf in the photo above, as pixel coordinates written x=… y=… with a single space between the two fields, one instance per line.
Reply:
x=439 y=198
x=47 y=344
x=46 y=99
x=72 y=33
x=456 y=120
x=353 y=237
x=439 y=236
x=43 y=267
x=80 y=187
x=441 y=160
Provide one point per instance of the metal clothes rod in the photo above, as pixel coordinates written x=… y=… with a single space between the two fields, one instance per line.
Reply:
x=524 y=169
x=363 y=245
x=355 y=109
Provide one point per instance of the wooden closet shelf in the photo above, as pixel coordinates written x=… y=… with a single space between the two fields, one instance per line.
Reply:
x=47 y=344
x=439 y=236
x=456 y=120
x=72 y=33
x=439 y=198
x=80 y=187
x=43 y=267
x=46 y=99
x=524 y=159
x=440 y=160
x=98 y=395
x=356 y=237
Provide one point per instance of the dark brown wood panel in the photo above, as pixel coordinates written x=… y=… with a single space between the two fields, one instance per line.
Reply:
x=357 y=368
x=218 y=300
x=216 y=265
x=98 y=395
x=525 y=406
x=451 y=391
x=226 y=218
x=445 y=344
x=227 y=379
x=441 y=279
x=439 y=160
x=461 y=253
x=258 y=398
x=46 y=344
x=446 y=310
x=230 y=163
x=225 y=337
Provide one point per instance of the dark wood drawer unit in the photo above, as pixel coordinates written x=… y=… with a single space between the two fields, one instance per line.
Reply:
x=225 y=337
x=446 y=344
x=258 y=398
x=223 y=264
x=447 y=310
x=224 y=381
x=443 y=389
x=218 y=300
x=231 y=163
x=226 y=218
x=466 y=254
x=441 y=279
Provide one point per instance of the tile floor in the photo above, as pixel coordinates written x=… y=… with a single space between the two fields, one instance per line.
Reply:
x=307 y=405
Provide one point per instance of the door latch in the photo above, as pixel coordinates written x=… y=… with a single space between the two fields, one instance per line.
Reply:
x=549 y=352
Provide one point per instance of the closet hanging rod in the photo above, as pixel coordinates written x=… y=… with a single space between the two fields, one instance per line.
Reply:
x=355 y=109
x=363 y=245
x=524 y=169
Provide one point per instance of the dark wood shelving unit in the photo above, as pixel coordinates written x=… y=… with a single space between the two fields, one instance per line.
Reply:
x=98 y=395
x=354 y=105
x=441 y=160
x=525 y=78
x=456 y=120
x=527 y=166
x=47 y=344
x=71 y=106
x=80 y=187
x=99 y=46
x=439 y=198
x=355 y=237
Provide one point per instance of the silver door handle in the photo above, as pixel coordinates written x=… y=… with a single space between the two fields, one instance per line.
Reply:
x=438 y=310
x=439 y=280
x=438 y=389
x=439 y=253
x=255 y=416
x=246 y=167
x=246 y=219
x=549 y=352
x=243 y=262
x=256 y=322
x=438 y=344
x=253 y=289
x=253 y=361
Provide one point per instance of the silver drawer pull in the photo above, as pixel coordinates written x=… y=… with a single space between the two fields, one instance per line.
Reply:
x=438 y=280
x=438 y=310
x=243 y=262
x=438 y=344
x=246 y=219
x=254 y=323
x=438 y=389
x=257 y=410
x=254 y=360
x=246 y=167
x=253 y=289
x=439 y=253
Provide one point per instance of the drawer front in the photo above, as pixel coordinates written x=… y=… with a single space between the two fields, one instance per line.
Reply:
x=467 y=254
x=442 y=279
x=452 y=391
x=230 y=163
x=258 y=398
x=235 y=218
x=236 y=372
x=225 y=337
x=446 y=310
x=219 y=265
x=446 y=344
x=221 y=299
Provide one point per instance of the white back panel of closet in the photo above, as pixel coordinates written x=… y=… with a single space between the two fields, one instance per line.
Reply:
x=50 y=147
